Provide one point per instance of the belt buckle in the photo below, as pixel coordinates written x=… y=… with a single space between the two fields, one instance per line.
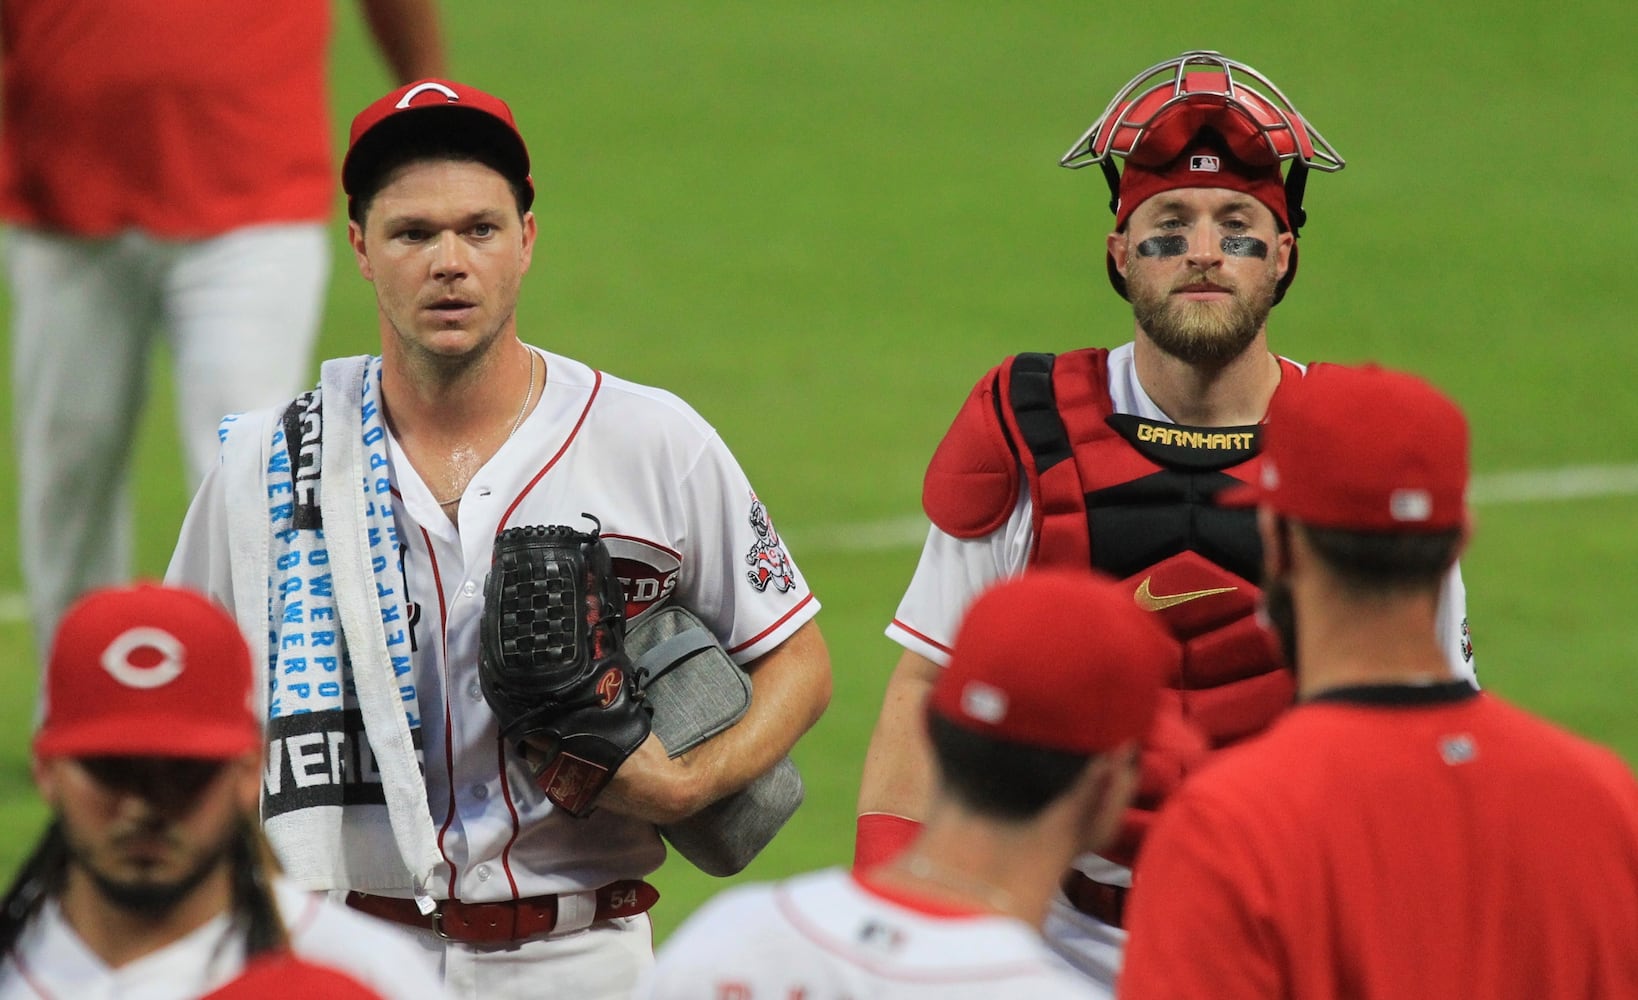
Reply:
x=437 y=919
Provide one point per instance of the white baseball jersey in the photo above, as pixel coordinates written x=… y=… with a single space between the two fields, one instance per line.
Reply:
x=682 y=524
x=829 y=936
x=954 y=571
x=50 y=962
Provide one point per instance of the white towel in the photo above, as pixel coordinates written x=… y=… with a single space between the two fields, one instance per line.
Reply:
x=343 y=766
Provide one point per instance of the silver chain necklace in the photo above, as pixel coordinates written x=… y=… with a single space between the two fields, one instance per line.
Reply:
x=517 y=422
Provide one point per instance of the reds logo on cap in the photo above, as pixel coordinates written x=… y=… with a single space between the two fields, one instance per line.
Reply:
x=148 y=671
x=121 y=661
x=416 y=91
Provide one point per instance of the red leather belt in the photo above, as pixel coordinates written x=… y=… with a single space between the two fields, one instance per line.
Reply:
x=1095 y=899
x=511 y=920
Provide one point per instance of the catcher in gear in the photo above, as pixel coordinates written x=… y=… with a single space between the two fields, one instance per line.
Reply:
x=578 y=695
x=1113 y=459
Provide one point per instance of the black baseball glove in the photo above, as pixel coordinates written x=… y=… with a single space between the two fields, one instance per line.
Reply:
x=553 y=665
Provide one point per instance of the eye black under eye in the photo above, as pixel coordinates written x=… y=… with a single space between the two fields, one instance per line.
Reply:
x=1245 y=246
x=1163 y=246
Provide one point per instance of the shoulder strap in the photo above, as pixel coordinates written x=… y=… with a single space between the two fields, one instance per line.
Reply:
x=1048 y=401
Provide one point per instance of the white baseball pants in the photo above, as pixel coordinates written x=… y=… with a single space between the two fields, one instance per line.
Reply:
x=601 y=962
x=239 y=315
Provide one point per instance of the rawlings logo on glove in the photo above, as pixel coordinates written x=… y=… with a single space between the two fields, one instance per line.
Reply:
x=552 y=661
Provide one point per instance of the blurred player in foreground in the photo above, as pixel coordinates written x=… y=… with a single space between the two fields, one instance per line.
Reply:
x=1034 y=727
x=153 y=879
x=1398 y=834
x=1114 y=458
x=167 y=173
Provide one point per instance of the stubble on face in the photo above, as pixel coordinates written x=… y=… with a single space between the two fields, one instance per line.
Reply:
x=1200 y=333
x=146 y=890
x=446 y=251
x=1278 y=612
x=147 y=862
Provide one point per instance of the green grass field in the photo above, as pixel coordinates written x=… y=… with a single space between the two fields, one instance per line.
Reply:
x=820 y=222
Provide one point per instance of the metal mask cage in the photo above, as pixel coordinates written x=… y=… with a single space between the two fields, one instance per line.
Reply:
x=1128 y=119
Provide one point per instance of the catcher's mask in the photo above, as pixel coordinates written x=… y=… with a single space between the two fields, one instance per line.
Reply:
x=1204 y=105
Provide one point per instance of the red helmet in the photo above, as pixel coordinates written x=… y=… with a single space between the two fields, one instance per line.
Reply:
x=1162 y=111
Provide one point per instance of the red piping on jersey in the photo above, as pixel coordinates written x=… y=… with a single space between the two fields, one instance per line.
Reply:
x=449 y=758
x=517 y=827
x=28 y=976
x=924 y=638
x=753 y=640
x=597 y=384
x=799 y=922
x=309 y=913
x=915 y=901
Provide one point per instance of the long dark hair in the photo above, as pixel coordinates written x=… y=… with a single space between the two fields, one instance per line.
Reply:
x=41 y=875
x=256 y=908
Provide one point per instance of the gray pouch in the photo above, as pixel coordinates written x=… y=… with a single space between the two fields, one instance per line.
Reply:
x=697 y=692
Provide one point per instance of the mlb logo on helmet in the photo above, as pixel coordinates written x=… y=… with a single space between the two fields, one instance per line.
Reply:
x=1205 y=164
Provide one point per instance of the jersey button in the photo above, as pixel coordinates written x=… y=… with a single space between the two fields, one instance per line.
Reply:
x=469 y=588
x=480 y=792
x=482 y=871
x=474 y=691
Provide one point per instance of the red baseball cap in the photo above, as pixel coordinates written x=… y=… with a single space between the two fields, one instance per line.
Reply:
x=463 y=117
x=1362 y=449
x=1057 y=660
x=148 y=671
x=1205 y=162
x=283 y=974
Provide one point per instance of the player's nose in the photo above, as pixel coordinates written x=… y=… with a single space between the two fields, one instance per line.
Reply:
x=448 y=256
x=1205 y=245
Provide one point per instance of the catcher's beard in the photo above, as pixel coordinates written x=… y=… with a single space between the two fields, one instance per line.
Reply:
x=1201 y=333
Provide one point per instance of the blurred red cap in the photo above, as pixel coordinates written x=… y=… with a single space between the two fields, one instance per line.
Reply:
x=148 y=671
x=1057 y=660
x=1362 y=449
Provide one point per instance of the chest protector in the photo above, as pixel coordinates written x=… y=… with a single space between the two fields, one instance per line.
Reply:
x=1135 y=499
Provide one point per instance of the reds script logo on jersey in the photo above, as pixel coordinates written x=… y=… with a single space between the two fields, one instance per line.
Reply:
x=647 y=572
x=767 y=557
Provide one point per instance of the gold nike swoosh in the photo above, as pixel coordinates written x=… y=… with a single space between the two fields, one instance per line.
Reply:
x=1151 y=602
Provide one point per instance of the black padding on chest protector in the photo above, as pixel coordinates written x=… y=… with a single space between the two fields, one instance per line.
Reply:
x=1137 y=524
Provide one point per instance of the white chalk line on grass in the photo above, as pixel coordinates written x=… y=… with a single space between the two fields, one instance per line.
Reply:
x=1571 y=482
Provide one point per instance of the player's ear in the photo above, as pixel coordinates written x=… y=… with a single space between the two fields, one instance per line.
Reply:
x=355 y=239
x=1104 y=790
x=44 y=779
x=530 y=231
x=1117 y=243
x=247 y=781
x=1284 y=244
